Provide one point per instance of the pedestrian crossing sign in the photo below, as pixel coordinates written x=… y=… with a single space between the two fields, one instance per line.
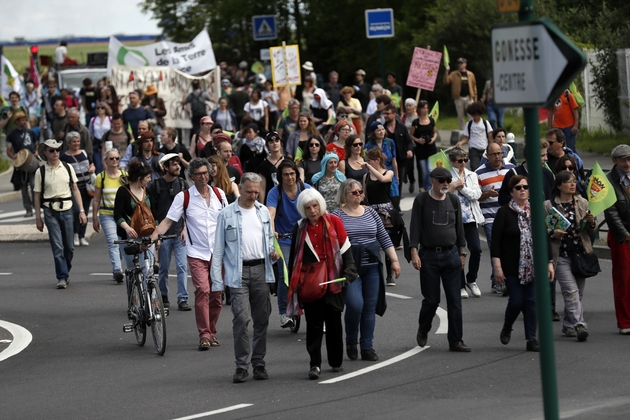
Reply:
x=264 y=27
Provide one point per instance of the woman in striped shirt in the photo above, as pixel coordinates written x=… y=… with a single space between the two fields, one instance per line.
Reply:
x=107 y=184
x=366 y=295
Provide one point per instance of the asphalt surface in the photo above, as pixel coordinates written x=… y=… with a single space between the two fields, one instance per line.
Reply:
x=81 y=365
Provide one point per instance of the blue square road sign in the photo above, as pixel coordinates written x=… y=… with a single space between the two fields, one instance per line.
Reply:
x=379 y=23
x=264 y=27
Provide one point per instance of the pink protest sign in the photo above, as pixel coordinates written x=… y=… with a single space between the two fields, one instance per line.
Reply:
x=424 y=69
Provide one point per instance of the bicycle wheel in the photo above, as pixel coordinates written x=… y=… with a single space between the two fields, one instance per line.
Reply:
x=158 y=323
x=137 y=307
x=296 y=324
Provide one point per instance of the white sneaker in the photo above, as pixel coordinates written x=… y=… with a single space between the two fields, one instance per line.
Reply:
x=474 y=289
x=285 y=321
x=84 y=242
x=76 y=240
x=464 y=293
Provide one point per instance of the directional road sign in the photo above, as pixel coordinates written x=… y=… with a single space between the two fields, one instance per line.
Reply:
x=379 y=23
x=532 y=63
x=264 y=27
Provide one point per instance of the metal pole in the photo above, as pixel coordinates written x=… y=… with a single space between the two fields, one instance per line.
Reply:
x=541 y=259
x=381 y=55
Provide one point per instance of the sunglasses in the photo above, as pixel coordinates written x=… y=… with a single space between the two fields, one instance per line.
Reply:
x=462 y=160
x=357 y=144
x=113 y=158
x=443 y=180
x=100 y=107
x=521 y=187
x=570 y=168
x=53 y=150
x=343 y=115
x=356 y=192
x=314 y=145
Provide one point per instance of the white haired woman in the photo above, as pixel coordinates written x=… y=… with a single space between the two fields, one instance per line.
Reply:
x=320 y=252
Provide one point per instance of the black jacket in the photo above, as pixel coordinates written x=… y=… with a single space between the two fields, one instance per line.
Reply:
x=504 y=192
x=618 y=215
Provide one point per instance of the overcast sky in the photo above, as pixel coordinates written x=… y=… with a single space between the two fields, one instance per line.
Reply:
x=37 y=19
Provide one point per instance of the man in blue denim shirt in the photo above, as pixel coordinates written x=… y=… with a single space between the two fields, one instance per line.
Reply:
x=247 y=261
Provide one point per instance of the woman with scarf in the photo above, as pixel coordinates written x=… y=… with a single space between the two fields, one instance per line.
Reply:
x=320 y=252
x=328 y=180
x=252 y=150
x=513 y=260
x=322 y=111
x=365 y=296
x=566 y=243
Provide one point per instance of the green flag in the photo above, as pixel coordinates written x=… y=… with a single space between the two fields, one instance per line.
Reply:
x=601 y=194
x=299 y=155
x=435 y=112
x=285 y=272
x=285 y=113
x=439 y=159
x=446 y=58
x=395 y=97
x=576 y=94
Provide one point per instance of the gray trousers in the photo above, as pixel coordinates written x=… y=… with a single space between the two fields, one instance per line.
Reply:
x=251 y=302
x=572 y=289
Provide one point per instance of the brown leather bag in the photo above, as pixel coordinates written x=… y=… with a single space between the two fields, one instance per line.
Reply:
x=142 y=220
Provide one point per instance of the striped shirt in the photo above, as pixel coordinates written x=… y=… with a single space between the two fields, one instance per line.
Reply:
x=488 y=178
x=109 y=187
x=365 y=229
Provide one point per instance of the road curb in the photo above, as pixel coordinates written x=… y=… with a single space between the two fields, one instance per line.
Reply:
x=29 y=233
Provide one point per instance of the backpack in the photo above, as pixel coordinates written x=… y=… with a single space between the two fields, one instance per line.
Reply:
x=485 y=125
x=42 y=173
x=183 y=186
x=142 y=220
x=187 y=200
x=198 y=105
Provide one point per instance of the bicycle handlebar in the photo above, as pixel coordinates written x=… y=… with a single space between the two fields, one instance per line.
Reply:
x=145 y=240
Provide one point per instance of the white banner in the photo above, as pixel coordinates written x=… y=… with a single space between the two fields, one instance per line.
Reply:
x=285 y=66
x=10 y=79
x=193 y=57
x=173 y=87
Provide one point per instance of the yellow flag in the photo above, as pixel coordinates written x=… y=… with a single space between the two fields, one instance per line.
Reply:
x=439 y=159
x=601 y=194
x=435 y=112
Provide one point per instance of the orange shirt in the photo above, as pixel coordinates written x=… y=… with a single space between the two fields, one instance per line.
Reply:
x=563 y=111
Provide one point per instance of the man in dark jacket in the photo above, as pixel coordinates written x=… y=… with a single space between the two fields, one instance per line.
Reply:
x=618 y=220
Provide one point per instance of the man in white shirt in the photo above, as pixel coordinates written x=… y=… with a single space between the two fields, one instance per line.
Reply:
x=200 y=206
x=244 y=248
x=61 y=55
x=477 y=133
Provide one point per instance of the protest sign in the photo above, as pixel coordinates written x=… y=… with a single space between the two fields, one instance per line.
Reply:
x=173 y=87
x=424 y=69
x=285 y=65
x=192 y=57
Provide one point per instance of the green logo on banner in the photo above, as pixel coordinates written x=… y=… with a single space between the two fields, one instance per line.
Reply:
x=123 y=51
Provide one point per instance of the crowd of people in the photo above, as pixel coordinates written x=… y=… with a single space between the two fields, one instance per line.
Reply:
x=319 y=171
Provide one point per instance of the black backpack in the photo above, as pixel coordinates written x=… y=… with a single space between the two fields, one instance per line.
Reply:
x=198 y=105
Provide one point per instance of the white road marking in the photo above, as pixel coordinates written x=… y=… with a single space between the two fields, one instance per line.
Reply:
x=443 y=315
x=391 y=361
x=21 y=339
x=398 y=296
x=210 y=413
x=5 y=274
x=5 y=341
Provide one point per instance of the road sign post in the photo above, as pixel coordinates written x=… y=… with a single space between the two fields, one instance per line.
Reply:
x=379 y=23
x=264 y=27
x=532 y=63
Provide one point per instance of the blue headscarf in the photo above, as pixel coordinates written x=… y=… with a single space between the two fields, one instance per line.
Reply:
x=338 y=174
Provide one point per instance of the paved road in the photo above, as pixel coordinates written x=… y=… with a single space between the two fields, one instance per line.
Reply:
x=81 y=365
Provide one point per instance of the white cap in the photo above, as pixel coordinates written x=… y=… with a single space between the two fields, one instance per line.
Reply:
x=510 y=137
x=168 y=157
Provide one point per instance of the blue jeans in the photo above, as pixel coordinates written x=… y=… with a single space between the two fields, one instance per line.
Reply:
x=474 y=259
x=521 y=298
x=423 y=173
x=166 y=249
x=361 y=297
x=283 y=290
x=447 y=266
x=129 y=262
x=86 y=200
x=570 y=138
x=109 y=229
x=495 y=115
x=61 y=235
x=488 y=229
x=98 y=159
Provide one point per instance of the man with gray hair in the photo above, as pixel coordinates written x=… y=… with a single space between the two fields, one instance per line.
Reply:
x=248 y=263
x=199 y=206
x=377 y=90
x=75 y=125
x=287 y=124
x=333 y=88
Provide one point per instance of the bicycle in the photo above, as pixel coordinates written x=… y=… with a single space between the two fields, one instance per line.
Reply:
x=144 y=300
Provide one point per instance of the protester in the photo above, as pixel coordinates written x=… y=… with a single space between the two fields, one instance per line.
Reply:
x=202 y=137
x=396 y=131
x=152 y=102
x=437 y=243
x=247 y=262
x=342 y=130
x=162 y=192
x=424 y=134
x=198 y=100
x=83 y=169
x=513 y=259
x=23 y=138
x=328 y=180
x=98 y=126
x=135 y=113
x=376 y=138
x=106 y=186
x=268 y=168
x=55 y=187
x=319 y=239
x=148 y=154
x=352 y=107
x=310 y=164
x=463 y=89
x=304 y=130
x=289 y=124
x=353 y=167
x=225 y=116
x=221 y=179
x=117 y=135
x=321 y=111
x=565 y=243
x=477 y=134
x=465 y=186
x=88 y=99
x=367 y=236
x=253 y=149
x=258 y=110
x=168 y=139
x=200 y=212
